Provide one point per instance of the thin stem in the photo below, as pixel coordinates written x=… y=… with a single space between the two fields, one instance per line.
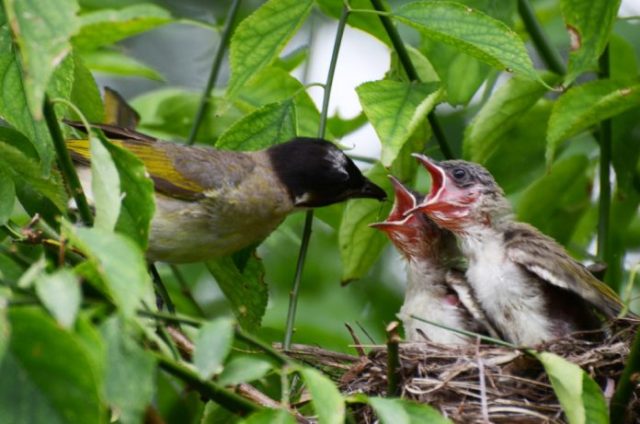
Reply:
x=548 y=53
x=162 y=291
x=186 y=291
x=208 y=389
x=308 y=223
x=604 y=202
x=412 y=74
x=66 y=165
x=215 y=70
x=622 y=395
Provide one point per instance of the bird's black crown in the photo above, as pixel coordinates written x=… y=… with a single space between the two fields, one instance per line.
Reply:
x=317 y=173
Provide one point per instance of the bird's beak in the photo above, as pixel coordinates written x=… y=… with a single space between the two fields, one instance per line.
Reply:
x=438 y=184
x=370 y=190
x=404 y=201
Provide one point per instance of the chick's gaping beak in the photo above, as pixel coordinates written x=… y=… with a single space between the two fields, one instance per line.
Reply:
x=404 y=200
x=438 y=185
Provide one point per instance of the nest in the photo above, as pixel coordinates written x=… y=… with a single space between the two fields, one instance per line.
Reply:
x=484 y=383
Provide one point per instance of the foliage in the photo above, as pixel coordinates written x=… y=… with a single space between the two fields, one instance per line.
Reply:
x=81 y=336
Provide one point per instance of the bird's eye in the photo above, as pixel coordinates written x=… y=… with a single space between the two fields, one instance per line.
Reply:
x=459 y=173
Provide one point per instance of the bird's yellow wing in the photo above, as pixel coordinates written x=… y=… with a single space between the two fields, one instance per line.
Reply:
x=536 y=252
x=157 y=161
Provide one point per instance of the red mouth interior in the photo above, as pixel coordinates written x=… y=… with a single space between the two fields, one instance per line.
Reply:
x=437 y=180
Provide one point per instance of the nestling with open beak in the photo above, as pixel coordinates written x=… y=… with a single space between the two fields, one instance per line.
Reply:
x=527 y=284
x=430 y=253
x=212 y=203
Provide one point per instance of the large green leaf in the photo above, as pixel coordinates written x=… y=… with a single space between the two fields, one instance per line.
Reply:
x=589 y=24
x=42 y=33
x=119 y=263
x=85 y=93
x=580 y=397
x=138 y=204
x=116 y=63
x=360 y=245
x=269 y=125
x=212 y=345
x=503 y=110
x=270 y=416
x=48 y=376
x=105 y=186
x=13 y=101
x=325 y=397
x=261 y=36
x=471 y=31
x=25 y=170
x=105 y=27
x=245 y=289
x=586 y=105
x=401 y=411
x=242 y=369
x=129 y=372
x=60 y=293
x=395 y=109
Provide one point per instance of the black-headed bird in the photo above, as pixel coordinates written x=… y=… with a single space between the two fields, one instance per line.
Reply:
x=435 y=290
x=529 y=287
x=211 y=203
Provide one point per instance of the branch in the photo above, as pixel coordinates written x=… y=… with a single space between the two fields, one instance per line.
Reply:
x=66 y=165
x=215 y=70
x=412 y=74
x=308 y=222
x=547 y=52
x=393 y=358
x=604 y=201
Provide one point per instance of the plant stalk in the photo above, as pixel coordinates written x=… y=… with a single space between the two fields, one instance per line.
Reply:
x=548 y=53
x=412 y=74
x=622 y=395
x=208 y=389
x=308 y=222
x=393 y=359
x=604 y=201
x=66 y=165
x=215 y=70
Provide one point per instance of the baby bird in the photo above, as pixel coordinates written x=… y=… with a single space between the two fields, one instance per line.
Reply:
x=430 y=253
x=529 y=287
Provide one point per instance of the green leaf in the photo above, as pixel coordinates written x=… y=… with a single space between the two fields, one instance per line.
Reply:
x=585 y=105
x=325 y=397
x=13 y=102
x=503 y=110
x=27 y=171
x=580 y=396
x=47 y=375
x=261 y=36
x=85 y=93
x=242 y=369
x=589 y=24
x=245 y=289
x=105 y=186
x=119 y=263
x=471 y=31
x=400 y=411
x=395 y=109
x=116 y=63
x=60 y=293
x=42 y=33
x=138 y=204
x=7 y=195
x=269 y=125
x=270 y=416
x=5 y=328
x=361 y=245
x=212 y=345
x=129 y=373
x=562 y=189
x=105 y=27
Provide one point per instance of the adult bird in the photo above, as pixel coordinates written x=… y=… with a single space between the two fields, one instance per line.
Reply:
x=211 y=203
x=435 y=290
x=528 y=285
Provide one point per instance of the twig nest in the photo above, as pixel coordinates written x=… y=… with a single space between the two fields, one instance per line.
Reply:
x=477 y=384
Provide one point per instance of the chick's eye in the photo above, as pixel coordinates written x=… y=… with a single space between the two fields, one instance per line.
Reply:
x=459 y=173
